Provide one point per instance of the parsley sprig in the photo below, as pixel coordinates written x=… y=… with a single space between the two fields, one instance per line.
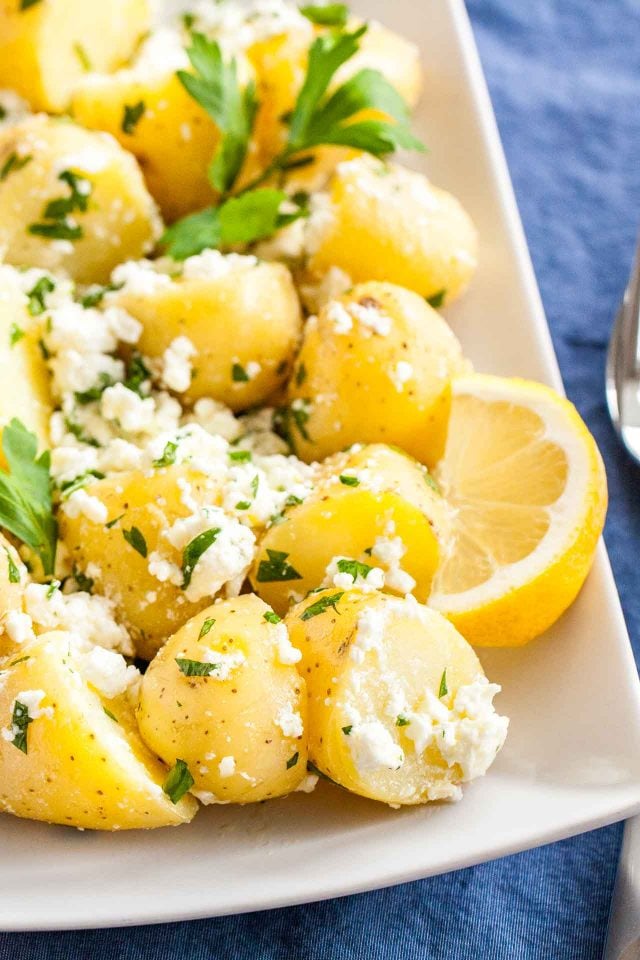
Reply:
x=320 y=117
x=26 y=507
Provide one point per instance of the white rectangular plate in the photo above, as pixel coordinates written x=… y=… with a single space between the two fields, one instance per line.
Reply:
x=572 y=758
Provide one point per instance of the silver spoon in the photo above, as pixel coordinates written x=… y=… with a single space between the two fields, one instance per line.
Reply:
x=623 y=366
x=623 y=400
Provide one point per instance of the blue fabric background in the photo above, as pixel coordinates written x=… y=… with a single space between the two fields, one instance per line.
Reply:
x=565 y=80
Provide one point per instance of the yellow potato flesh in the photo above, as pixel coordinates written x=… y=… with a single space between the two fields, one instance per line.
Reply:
x=337 y=520
x=416 y=651
x=349 y=380
x=46 y=48
x=173 y=141
x=82 y=768
x=391 y=224
x=120 y=222
x=150 y=610
x=203 y=719
x=250 y=315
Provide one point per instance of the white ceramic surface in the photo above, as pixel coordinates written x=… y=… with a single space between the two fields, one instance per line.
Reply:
x=572 y=759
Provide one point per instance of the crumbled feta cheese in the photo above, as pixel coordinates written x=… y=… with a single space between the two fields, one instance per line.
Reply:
x=177 y=368
x=133 y=413
x=339 y=316
x=140 y=278
x=285 y=651
x=82 y=503
x=401 y=374
x=213 y=265
x=14 y=108
x=215 y=418
x=373 y=748
x=92 y=618
x=107 y=672
x=390 y=551
x=31 y=699
x=373 y=578
x=18 y=626
x=289 y=721
x=371 y=625
x=227 y=767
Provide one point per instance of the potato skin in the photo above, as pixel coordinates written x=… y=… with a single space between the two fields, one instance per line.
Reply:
x=349 y=382
x=249 y=315
x=173 y=141
x=23 y=374
x=204 y=719
x=418 y=648
x=42 y=48
x=120 y=222
x=150 y=610
x=384 y=222
x=340 y=520
x=82 y=768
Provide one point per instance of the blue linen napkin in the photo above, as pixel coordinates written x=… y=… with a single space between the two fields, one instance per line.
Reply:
x=565 y=80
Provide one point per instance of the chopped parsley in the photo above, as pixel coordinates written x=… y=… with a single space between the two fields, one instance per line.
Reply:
x=132 y=114
x=239 y=374
x=14 y=663
x=83 y=57
x=271 y=617
x=443 y=691
x=301 y=375
x=112 y=523
x=57 y=224
x=94 y=393
x=178 y=782
x=276 y=568
x=437 y=299
x=12 y=568
x=196 y=668
x=349 y=481
x=402 y=721
x=96 y=294
x=193 y=551
x=291 y=762
x=136 y=540
x=110 y=715
x=137 y=374
x=20 y=721
x=70 y=486
x=322 y=605
x=26 y=507
x=25 y=4
x=168 y=455
x=206 y=627
x=16 y=334
x=354 y=568
x=326 y=14
x=13 y=162
x=37 y=303
x=240 y=456
x=53 y=587
x=84 y=582
x=347 y=730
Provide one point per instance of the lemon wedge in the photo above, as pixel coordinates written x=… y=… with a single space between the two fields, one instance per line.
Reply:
x=528 y=493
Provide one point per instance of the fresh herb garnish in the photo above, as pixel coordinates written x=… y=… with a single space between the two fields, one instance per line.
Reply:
x=84 y=582
x=239 y=374
x=14 y=663
x=326 y=15
x=95 y=296
x=112 y=523
x=56 y=214
x=137 y=374
x=301 y=375
x=178 y=782
x=12 y=568
x=196 y=668
x=168 y=457
x=349 y=481
x=83 y=57
x=276 y=568
x=322 y=605
x=132 y=114
x=354 y=568
x=443 y=691
x=193 y=551
x=76 y=430
x=136 y=540
x=13 y=162
x=37 y=296
x=94 y=393
x=16 y=334
x=70 y=486
x=437 y=299
x=26 y=507
x=347 y=730
x=240 y=456
x=20 y=721
x=25 y=4
x=430 y=482
x=402 y=721
x=291 y=762
x=53 y=587
x=110 y=715
x=206 y=627
x=271 y=617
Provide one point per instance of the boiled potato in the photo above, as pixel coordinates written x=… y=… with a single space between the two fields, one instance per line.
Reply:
x=13 y=578
x=376 y=365
x=71 y=200
x=119 y=538
x=152 y=115
x=241 y=724
x=399 y=707
x=23 y=374
x=383 y=222
x=374 y=505
x=45 y=47
x=70 y=752
x=241 y=316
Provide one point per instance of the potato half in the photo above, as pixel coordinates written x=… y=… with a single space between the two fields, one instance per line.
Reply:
x=372 y=496
x=376 y=366
x=399 y=707
x=46 y=47
x=381 y=221
x=71 y=201
x=71 y=754
x=224 y=696
x=241 y=315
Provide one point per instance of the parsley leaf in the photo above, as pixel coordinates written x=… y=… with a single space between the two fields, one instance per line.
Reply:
x=96 y=293
x=136 y=540
x=137 y=374
x=83 y=57
x=57 y=225
x=291 y=762
x=193 y=551
x=131 y=116
x=354 y=568
x=240 y=456
x=437 y=299
x=168 y=457
x=196 y=668
x=347 y=730
x=178 y=782
x=84 y=582
x=206 y=627
x=25 y=4
x=37 y=303
x=271 y=617
x=12 y=569
x=349 y=481
x=239 y=374
x=326 y=15
x=16 y=334
x=70 y=486
x=215 y=86
x=20 y=721
x=26 y=508
x=322 y=605
x=13 y=162
x=84 y=397
x=110 y=715
x=443 y=691
x=276 y=568
x=402 y=721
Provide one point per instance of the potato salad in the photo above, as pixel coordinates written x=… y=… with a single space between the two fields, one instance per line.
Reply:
x=256 y=507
